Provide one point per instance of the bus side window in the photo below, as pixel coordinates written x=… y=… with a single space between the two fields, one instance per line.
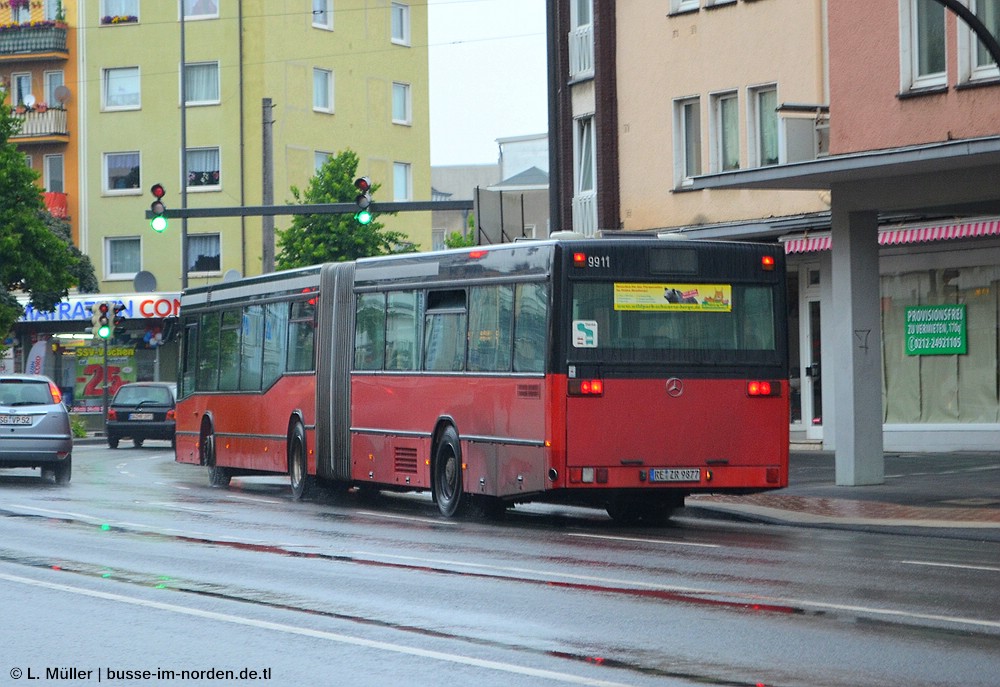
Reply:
x=301 y=335
x=229 y=350
x=207 y=376
x=369 y=333
x=189 y=354
x=275 y=342
x=401 y=331
x=530 y=313
x=490 y=319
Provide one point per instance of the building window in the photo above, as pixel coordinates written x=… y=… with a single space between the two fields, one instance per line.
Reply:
x=201 y=9
x=683 y=5
x=401 y=104
x=974 y=61
x=322 y=14
x=53 y=80
x=121 y=173
x=121 y=88
x=204 y=253
x=322 y=90
x=119 y=11
x=402 y=181
x=201 y=83
x=52 y=9
x=21 y=84
x=687 y=139
x=319 y=160
x=55 y=174
x=764 y=125
x=203 y=169
x=922 y=44
x=581 y=39
x=584 y=182
x=20 y=14
x=725 y=132
x=400 y=23
x=124 y=257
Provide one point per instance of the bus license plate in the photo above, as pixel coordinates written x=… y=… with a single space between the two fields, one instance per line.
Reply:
x=675 y=475
x=140 y=416
x=15 y=419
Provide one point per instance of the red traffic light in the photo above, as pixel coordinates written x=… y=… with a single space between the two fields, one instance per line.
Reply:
x=158 y=191
x=364 y=184
x=103 y=308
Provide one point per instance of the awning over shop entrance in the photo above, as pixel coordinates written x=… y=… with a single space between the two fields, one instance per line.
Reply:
x=820 y=241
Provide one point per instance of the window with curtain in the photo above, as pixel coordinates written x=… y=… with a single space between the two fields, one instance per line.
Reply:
x=400 y=23
x=988 y=12
x=121 y=172
x=201 y=83
x=766 y=122
x=204 y=254
x=124 y=257
x=401 y=103
x=121 y=88
x=53 y=80
x=201 y=9
x=203 y=168
x=119 y=8
x=727 y=132
x=322 y=90
x=22 y=87
x=322 y=14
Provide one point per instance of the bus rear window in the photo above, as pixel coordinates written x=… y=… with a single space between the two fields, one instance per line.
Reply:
x=727 y=318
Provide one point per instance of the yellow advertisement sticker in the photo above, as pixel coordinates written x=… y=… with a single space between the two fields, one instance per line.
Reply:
x=695 y=297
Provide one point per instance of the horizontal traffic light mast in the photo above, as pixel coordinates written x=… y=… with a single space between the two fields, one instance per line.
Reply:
x=314 y=209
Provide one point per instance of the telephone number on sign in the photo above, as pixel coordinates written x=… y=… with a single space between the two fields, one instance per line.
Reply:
x=916 y=344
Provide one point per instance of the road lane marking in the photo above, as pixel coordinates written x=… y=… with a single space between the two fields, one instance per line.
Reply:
x=959 y=566
x=643 y=540
x=319 y=634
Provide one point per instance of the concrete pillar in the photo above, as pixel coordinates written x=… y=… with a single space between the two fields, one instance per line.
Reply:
x=856 y=347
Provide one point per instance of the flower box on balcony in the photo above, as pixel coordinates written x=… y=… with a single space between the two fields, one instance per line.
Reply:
x=119 y=19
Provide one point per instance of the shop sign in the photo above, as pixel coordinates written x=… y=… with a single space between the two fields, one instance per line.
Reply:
x=77 y=308
x=936 y=330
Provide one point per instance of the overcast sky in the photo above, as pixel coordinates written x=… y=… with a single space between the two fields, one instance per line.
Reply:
x=487 y=76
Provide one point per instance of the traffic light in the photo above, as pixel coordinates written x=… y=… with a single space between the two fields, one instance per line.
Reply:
x=363 y=200
x=118 y=321
x=95 y=319
x=159 y=221
x=105 y=327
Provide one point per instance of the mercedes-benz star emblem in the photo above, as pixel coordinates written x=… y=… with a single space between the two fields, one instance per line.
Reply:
x=675 y=387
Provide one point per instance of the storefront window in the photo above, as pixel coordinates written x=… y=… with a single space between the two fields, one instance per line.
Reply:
x=942 y=388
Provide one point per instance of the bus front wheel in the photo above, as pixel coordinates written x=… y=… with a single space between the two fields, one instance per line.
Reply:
x=217 y=477
x=297 y=469
x=448 y=473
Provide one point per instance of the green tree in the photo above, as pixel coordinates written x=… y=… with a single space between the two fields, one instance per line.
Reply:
x=34 y=259
x=314 y=239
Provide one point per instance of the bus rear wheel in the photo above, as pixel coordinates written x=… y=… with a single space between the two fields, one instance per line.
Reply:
x=448 y=474
x=298 y=472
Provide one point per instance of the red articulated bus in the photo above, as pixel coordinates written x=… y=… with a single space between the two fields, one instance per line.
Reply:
x=619 y=374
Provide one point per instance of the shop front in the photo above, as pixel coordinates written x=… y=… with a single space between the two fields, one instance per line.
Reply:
x=58 y=344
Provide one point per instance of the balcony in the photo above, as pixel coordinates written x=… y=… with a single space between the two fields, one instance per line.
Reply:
x=581 y=53
x=38 y=40
x=42 y=125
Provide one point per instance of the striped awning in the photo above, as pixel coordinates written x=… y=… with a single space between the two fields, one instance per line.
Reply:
x=894 y=237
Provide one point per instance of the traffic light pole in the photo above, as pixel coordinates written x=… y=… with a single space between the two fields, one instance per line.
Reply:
x=105 y=379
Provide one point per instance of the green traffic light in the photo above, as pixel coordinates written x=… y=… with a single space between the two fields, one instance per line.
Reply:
x=363 y=217
x=159 y=224
x=104 y=331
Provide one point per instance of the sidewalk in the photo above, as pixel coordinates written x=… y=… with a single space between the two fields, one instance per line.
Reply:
x=939 y=494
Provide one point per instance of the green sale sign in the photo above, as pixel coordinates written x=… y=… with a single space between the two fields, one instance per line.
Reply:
x=936 y=330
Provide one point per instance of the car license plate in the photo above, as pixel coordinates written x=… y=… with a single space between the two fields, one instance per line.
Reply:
x=15 y=419
x=140 y=416
x=675 y=475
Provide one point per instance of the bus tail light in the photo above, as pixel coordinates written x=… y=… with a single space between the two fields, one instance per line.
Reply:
x=763 y=388
x=767 y=263
x=586 y=387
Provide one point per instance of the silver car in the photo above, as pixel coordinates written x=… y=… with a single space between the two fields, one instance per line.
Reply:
x=34 y=426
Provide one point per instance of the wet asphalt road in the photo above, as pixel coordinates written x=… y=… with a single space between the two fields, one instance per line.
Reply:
x=138 y=565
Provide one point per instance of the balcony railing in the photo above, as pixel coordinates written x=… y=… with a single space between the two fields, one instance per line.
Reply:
x=585 y=213
x=32 y=38
x=51 y=122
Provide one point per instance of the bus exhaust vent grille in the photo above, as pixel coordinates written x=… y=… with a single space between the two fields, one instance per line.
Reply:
x=406 y=460
x=529 y=391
